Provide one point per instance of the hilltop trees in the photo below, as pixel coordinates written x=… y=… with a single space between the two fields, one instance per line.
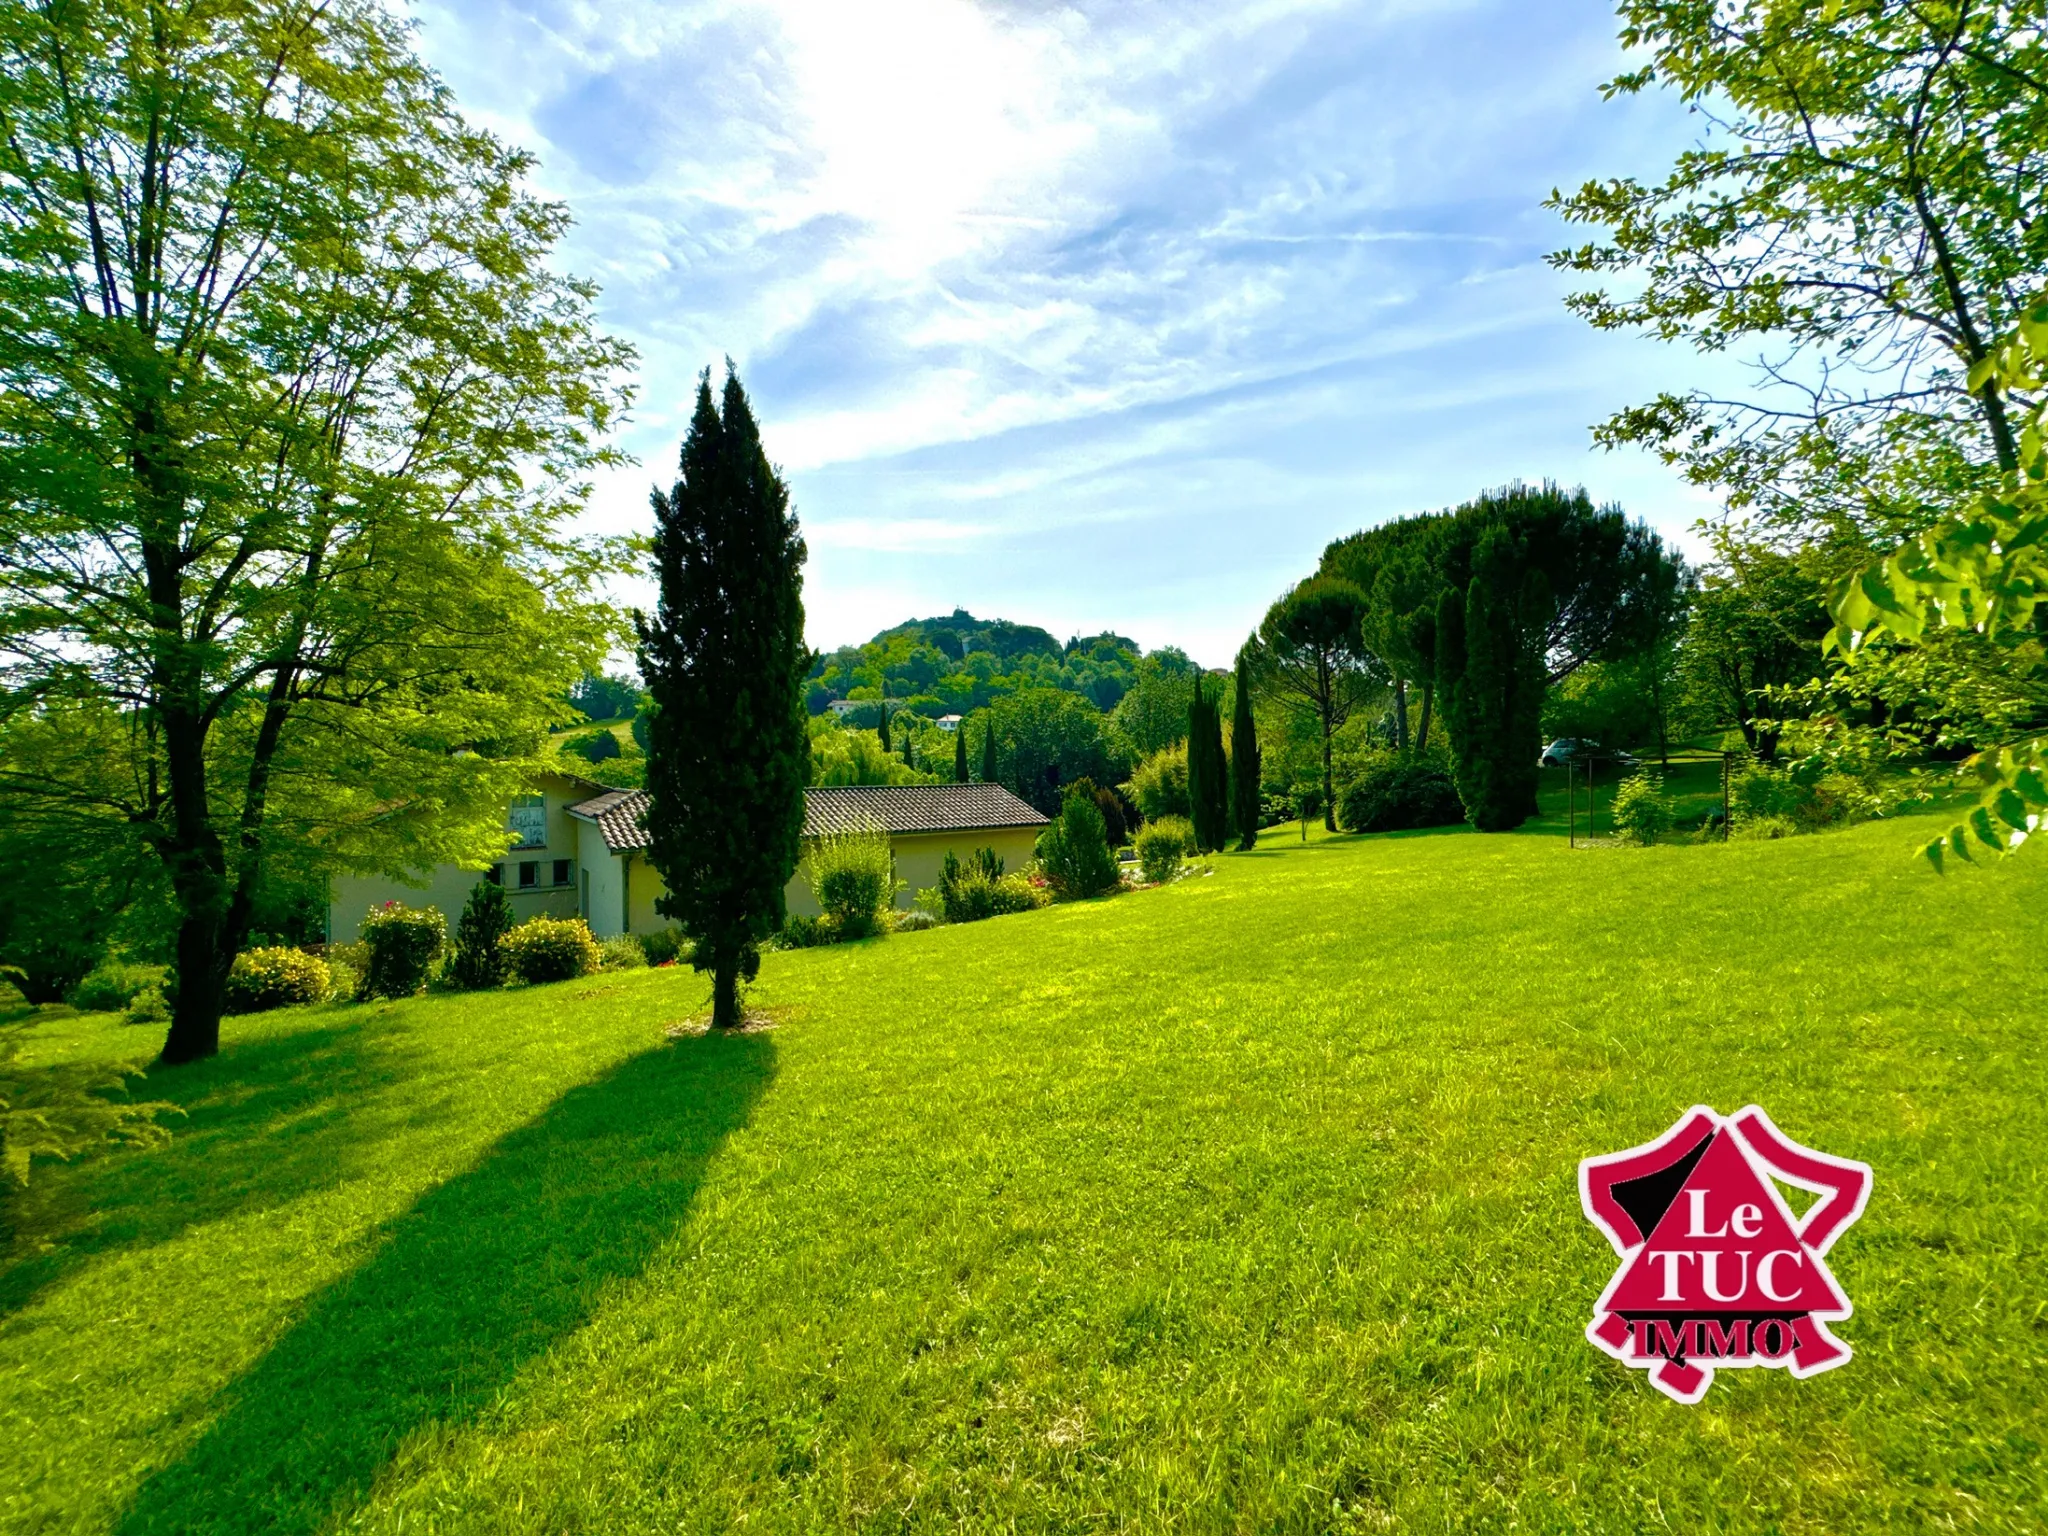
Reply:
x=724 y=658
x=294 y=411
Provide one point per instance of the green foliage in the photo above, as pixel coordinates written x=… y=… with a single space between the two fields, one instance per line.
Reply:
x=1153 y=714
x=478 y=961
x=1162 y=844
x=1245 y=764
x=1888 y=249
x=112 y=985
x=60 y=1110
x=621 y=952
x=1398 y=796
x=593 y=746
x=1641 y=810
x=1048 y=739
x=291 y=458
x=543 y=949
x=1309 y=655
x=843 y=756
x=724 y=658
x=1117 y=815
x=802 y=931
x=990 y=765
x=960 y=775
x=1208 y=773
x=1758 y=620
x=606 y=696
x=852 y=876
x=150 y=1006
x=1981 y=577
x=401 y=945
x=1160 y=783
x=961 y=664
x=664 y=946
x=276 y=977
x=1073 y=852
x=977 y=889
x=1493 y=690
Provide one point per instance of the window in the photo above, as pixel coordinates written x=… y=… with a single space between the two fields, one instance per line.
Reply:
x=529 y=874
x=495 y=874
x=561 y=871
x=528 y=820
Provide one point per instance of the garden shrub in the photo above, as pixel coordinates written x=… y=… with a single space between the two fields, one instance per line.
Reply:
x=593 y=747
x=1400 y=796
x=1160 y=784
x=479 y=962
x=1016 y=893
x=551 y=949
x=803 y=932
x=1074 y=851
x=665 y=946
x=853 y=877
x=1117 y=817
x=621 y=952
x=402 y=943
x=1642 y=811
x=915 y=921
x=276 y=977
x=1763 y=829
x=112 y=985
x=1758 y=794
x=1161 y=846
x=149 y=1006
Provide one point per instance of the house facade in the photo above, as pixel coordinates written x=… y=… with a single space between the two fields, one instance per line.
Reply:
x=580 y=849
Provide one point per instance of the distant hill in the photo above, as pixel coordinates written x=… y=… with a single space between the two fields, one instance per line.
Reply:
x=958 y=662
x=959 y=632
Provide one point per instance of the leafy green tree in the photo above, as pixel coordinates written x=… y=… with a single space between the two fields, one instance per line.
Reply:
x=1049 y=739
x=1153 y=714
x=606 y=696
x=1396 y=567
x=988 y=751
x=725 y=660
x=1244 y=757
x=1757 y=625
x=1979 y=578
x=1074 y=850
x=1865 y=219
x=960 y=753
x=1311 y=656
x=295 y=408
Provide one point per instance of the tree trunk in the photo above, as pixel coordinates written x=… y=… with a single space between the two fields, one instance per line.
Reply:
x=1422 y=728
x=1329 y=785
x=725 y=994
x=1401 y=715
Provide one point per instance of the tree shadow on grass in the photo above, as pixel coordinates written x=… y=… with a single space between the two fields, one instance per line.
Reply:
x=259 y=1126
x=484 y=1274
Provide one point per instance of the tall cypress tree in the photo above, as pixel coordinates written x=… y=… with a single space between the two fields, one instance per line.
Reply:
x=1245 y=762
x=988 y=749
x=1490 y=673
x=1208 y=774
x=886 y=747
x=724 y=660
x=909 y=750
x=960 y=753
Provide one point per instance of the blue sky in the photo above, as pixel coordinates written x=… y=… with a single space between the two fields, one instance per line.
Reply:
x=1097 y=316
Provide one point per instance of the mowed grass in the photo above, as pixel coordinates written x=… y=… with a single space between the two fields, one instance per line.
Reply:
x=1245 y=1205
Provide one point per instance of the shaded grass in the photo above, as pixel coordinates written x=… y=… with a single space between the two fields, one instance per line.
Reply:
x=1246 y=1204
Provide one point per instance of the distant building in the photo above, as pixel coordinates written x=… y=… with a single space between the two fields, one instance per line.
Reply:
x=581 y=851
x=948 y=722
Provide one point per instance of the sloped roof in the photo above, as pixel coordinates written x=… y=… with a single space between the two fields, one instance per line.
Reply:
x=619 y=813
x=915 y=808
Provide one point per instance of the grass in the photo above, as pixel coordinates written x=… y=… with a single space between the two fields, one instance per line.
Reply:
x=1243 y=1205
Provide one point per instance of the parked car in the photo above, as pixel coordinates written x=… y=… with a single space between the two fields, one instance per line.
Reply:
x=1574 y=749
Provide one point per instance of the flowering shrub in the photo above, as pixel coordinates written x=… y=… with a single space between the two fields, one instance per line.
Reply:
x=262 y=979
x=551 y=949
x=404 y=942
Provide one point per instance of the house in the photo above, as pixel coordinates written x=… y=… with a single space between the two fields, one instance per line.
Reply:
x=947 y=722
x=580 y=849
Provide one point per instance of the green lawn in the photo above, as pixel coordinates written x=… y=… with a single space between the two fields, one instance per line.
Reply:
x=1244 y=1205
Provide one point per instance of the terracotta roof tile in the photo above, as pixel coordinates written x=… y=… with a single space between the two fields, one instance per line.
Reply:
x=620 y=813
